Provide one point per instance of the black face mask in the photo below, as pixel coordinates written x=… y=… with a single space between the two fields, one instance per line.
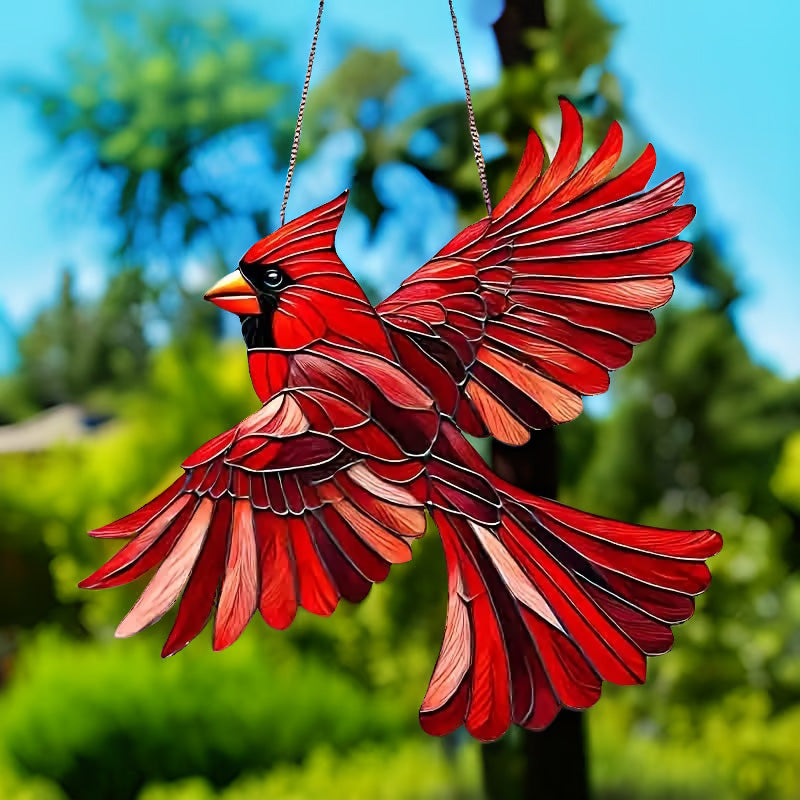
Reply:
x=268 y=282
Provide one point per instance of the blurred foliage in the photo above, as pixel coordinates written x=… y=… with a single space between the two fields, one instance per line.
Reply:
x=410 y=771
x=358 y=96
x=122 y=716
x=695 y=420
x=155 y=116
x=73 y=348
x=786 y=481
x=147 y=110
x=16 y=786
x=708 y=269
x=740 y=749
x=191 y=390
x=434 y=140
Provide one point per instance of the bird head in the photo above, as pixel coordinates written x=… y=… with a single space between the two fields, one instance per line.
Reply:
x=289 y=284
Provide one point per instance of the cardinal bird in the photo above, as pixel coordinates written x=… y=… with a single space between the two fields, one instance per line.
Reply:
x=361 y=431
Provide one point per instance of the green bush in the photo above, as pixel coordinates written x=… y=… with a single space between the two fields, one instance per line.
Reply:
x=14 y=786
x=412 y=771
x=786 y=480
x=57 y=495
x=740 y=749
x=101 y=720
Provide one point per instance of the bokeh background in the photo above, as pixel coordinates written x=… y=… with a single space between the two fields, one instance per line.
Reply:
x=143 y=149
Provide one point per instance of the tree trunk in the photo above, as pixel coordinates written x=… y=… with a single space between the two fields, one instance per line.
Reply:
x=548 y=765
x=519 y=16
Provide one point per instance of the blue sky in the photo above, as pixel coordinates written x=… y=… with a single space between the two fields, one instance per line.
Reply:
x=710 y=83
x=716 y=83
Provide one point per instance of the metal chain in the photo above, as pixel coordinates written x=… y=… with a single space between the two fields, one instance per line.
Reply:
x=298 y=127
x=473 y=127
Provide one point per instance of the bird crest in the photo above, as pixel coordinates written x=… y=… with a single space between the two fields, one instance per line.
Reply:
x=313 y=232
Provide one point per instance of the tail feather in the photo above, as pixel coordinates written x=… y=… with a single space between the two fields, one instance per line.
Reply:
x=661 y=604
x=685 y=573
x=613 y=655
x=652 y=637
x=548 y=603
x=482 y=666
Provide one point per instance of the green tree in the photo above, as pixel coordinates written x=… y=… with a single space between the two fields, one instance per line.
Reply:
x=148 y=115
x=74 y=347
x=786 y=481
x=146 y=118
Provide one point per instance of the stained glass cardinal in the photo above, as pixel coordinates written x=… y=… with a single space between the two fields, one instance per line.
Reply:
x=317 y=494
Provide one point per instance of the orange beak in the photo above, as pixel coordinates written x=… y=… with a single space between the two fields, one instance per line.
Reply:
x=234 y=293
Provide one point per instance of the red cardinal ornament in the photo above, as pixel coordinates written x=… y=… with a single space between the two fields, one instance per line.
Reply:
x=318 y=493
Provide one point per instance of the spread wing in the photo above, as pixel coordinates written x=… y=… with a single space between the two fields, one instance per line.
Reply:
x=530 y=308
x=306 y=501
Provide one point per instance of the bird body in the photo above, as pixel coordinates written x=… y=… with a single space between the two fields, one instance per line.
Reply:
x=313 y=497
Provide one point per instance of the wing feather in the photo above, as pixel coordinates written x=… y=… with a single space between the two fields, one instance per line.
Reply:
x=544 y=297
x=289 y=509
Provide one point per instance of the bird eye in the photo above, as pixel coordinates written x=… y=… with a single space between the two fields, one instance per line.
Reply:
x=272 y=278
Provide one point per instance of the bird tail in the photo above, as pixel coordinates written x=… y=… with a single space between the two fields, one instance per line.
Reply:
x=546 y=602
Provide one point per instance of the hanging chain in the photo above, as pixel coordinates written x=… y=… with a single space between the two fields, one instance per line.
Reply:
x=298 y=127
x=473 y=127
